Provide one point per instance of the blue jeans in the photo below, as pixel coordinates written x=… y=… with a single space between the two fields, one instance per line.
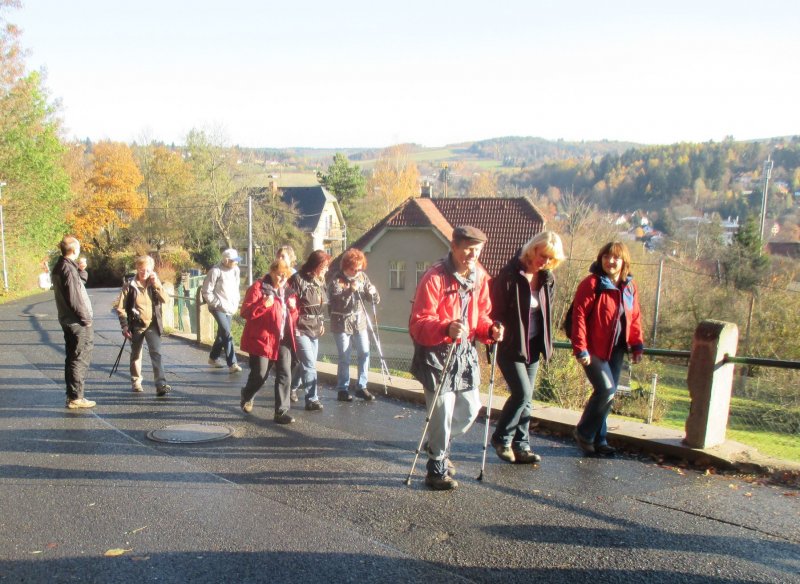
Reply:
x=604 y=377
x=307 y=350
x=344 y=344
x=513 y=426
x=224 y=339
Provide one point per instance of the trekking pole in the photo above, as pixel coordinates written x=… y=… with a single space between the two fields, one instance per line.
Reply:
x=447 y=363
x=493 y=350
x=374 y=330
x=119 y=356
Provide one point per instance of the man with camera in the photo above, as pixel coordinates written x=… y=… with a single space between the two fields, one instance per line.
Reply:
x=139 y=309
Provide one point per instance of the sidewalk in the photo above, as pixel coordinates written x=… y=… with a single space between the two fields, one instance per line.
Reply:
x=648 y=438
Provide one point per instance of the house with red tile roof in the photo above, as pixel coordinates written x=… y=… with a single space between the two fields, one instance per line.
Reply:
x=405 y=243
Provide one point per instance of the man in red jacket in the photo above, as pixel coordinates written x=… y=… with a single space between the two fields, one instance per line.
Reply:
x=451 y=305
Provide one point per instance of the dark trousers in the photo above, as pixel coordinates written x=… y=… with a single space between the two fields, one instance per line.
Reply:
x=604 y=377
x=513 y=426
x=259 y=371
x=79 y=341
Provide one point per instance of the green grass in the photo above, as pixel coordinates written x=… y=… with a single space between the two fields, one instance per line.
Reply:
x=775 y=444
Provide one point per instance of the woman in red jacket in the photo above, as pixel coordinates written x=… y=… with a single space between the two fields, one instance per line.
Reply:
x=270 y=309
x=606 y=324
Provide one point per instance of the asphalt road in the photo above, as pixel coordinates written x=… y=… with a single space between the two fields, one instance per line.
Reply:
x=324 y=499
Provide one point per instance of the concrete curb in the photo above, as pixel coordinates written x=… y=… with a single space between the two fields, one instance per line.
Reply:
x=622 y=433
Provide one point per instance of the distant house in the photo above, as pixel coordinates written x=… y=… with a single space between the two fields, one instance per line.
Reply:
x=405 y=243
x=320 y=217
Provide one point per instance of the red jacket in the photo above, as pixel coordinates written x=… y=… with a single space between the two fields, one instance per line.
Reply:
x=595 y=318
x=437 y=303
x=261 y=331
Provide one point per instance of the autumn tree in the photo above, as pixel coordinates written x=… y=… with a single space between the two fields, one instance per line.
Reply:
x=482 y=184
x=394 y=179
x=167 y=184
x=110 y=200
x=220 y=194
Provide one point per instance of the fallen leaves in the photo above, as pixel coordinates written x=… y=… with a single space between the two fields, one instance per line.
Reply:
x=113 y=552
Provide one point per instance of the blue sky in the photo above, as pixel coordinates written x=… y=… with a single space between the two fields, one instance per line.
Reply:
x=373 y=73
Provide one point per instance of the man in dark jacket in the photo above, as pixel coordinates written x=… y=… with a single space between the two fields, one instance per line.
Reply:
x=75 y=316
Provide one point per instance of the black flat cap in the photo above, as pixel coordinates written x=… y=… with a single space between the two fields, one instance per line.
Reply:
x=469 y=233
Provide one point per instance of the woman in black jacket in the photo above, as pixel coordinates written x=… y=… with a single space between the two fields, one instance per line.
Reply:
x=309 y=285
x=522 y=295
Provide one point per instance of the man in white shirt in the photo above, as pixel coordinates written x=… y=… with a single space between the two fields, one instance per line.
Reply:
x=221 y=293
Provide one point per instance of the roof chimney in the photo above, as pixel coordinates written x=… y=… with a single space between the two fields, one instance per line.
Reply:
x=426 y=190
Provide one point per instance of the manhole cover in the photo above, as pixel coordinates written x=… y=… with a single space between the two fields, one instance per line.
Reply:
x=190 y=433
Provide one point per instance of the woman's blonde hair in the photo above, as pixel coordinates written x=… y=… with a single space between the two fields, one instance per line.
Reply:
x=144 y=259
x=550 y=243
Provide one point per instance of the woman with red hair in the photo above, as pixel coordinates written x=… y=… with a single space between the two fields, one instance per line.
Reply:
x=270 y=312
x=348 y=290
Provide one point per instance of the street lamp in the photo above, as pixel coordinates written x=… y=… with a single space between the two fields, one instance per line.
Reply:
x=3 y=237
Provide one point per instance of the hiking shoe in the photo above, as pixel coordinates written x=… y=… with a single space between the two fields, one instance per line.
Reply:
x=215 y=363
x=504 y=451
x=343 y=395
x=364 y=394
x=247 y=405
x=137 y=388
x=440 y=483
x=605 y=450
x=451 y=468
x=283 y=418
x=235 y=368
x=587 y=447
x=75 y=404
x=313 y=406
x=526 y=457
x=293 y=396
x=163 y=390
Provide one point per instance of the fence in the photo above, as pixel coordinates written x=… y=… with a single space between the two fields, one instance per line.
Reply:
x=765 y=399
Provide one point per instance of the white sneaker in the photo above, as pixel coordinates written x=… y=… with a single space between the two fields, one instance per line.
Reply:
x=234 y=368
x=215 y=363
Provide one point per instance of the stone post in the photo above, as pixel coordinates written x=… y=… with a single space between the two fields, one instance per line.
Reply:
x=168 y=308
x=710 y=383
x=206 y=325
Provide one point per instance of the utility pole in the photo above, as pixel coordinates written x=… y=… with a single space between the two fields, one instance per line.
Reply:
x=751 y=310
x=3 y=237
x=767 y=174
x=250 y=240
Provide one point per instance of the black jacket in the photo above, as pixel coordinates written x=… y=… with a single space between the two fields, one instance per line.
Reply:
x=72 y=300
x=311 y=297
x=511 y=302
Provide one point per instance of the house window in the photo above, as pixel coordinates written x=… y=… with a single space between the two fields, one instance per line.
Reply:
x=422 y=267
x=397 y=275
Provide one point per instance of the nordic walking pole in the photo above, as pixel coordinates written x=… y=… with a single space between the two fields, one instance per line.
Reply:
x=373 y=329
x=119 y=356
x=493 y=350
x=447 y=363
